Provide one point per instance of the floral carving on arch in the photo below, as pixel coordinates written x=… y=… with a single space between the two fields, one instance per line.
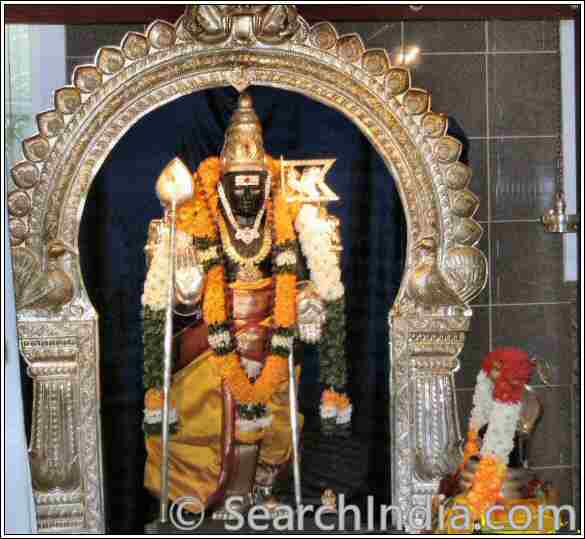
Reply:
x=212 y=46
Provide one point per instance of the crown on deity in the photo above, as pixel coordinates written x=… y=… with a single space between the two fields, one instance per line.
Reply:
x=243 y=149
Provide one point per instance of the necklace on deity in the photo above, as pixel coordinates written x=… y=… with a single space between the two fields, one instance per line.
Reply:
x=248 y=267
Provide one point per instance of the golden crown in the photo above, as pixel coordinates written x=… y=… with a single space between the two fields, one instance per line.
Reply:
x=243 y=148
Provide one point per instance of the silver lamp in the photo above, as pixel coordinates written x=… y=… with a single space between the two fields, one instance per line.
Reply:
x=557 y=221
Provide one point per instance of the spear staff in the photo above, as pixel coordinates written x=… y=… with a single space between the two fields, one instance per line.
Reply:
x=294 y=422
x=173 y=188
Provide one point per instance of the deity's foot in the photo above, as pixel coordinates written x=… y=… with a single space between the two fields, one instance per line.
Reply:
x=263 y=491
x=264 y=497
x=240 y=505
x=232 y=507
x=238 y=494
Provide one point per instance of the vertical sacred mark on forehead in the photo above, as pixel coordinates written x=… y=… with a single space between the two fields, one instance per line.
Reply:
x=247 y=180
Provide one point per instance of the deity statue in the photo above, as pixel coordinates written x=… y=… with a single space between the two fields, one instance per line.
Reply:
x=254 y=272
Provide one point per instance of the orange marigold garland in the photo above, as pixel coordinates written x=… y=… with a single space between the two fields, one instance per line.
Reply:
x=153 y=406
x=199 y=218
x=487 y=486
x=215 y=301
x=472 y=447
x=335 y=410
x=285 y=309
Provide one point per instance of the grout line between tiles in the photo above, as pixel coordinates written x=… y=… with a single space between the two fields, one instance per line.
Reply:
x=533 y=386
x=481 y=53
x=559 y=467
x=536 y=304
x=512 y=221
x=514 y=137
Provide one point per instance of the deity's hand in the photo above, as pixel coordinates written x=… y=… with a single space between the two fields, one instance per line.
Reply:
x=311 y=313
x=189 y=277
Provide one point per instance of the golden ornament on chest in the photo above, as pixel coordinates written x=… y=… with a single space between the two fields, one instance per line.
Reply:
x=248 y=267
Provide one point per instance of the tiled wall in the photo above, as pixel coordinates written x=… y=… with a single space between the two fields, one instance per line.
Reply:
x=500 y=80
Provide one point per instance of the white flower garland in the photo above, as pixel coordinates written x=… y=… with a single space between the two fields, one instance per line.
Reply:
x=253 y=425
x=327 y=411
x=501 y=417
x=219 y=339
x=483 y=401
x=499 y=438
x=154 y=417
x=341 y=417
x=206 y=255
x=286 y=258
x=278 y=341
x=344 y=416
x=316 y=241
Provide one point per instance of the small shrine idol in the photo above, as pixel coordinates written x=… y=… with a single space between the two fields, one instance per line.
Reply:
x=494 y=476
x=256 y=268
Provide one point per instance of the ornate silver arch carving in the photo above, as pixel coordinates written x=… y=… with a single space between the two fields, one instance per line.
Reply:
x=236 y=45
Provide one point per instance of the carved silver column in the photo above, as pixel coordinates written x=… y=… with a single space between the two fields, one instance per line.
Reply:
x=64 y=449
x=424 y=420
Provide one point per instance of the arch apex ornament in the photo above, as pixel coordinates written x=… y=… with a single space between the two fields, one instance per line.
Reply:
x=241 y=23
x=240 y=45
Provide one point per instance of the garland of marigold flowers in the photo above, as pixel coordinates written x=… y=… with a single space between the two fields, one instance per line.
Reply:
x=200 y=219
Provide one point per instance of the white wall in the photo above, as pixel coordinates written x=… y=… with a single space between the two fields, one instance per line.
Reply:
x=19 y=505
x=46 y=58
x=569 y=142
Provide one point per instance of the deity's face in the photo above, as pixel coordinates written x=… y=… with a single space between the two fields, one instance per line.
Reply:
x=245 y=192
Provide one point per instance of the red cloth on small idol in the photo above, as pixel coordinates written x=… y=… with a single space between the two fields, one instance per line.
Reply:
x=516 y=369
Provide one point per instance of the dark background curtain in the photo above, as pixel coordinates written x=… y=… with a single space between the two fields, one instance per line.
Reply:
x=121 y=203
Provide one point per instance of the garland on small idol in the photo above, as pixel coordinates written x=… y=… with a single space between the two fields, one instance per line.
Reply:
x=497 y=404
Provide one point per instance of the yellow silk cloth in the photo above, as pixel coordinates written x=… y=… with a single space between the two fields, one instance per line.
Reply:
x=195 y=452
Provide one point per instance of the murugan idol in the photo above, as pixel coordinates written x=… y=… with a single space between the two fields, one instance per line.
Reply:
x=256 y=268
